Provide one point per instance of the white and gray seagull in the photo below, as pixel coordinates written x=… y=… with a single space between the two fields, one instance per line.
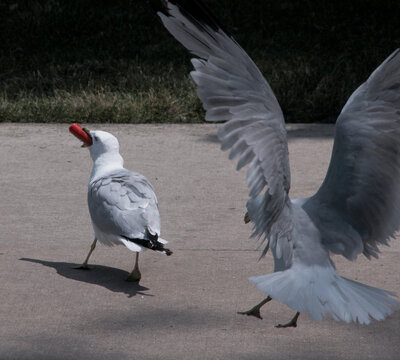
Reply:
x=122 y=204
x=357 y=206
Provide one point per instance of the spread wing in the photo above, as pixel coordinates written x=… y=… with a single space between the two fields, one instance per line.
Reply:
x=124 y=203
x=358 y=205
x=233 y=89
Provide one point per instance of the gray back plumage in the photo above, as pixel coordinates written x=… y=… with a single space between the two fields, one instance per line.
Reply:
x=124 y=203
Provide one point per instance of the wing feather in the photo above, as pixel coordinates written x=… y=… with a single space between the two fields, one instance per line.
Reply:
x=358 y=205
x=124 y=203
x=232 y=89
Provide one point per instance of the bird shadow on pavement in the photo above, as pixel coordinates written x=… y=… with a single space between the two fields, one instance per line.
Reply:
x=108 y=277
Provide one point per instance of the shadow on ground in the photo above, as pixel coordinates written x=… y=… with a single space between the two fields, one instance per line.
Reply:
x=53 y=346
x=108 y=277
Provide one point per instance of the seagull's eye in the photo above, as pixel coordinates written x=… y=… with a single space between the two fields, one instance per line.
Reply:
x=96 y=138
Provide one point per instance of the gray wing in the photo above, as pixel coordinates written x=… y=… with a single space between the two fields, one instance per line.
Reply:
x=232 y=89
x=124 y=203
x=358 y=205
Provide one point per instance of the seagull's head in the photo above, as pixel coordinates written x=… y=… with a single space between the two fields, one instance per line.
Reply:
x=102 y=143
x=98 y=142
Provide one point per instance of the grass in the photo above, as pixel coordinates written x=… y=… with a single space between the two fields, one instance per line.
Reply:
x=112 y=61
x=125 y=95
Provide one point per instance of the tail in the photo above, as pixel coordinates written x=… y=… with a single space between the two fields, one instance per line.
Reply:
x=321 y=292
x=152 y=242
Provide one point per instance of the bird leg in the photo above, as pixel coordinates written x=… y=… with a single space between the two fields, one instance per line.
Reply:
x=255 y=311
x=85 y=266
x=135 y=275
x=291 y=323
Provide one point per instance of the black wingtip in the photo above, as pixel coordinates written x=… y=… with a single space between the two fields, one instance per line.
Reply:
x=150 y=242
x=167 y=252
x=150 y=236
x=156 y=245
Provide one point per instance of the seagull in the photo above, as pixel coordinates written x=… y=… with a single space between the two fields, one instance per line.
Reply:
x=357 y=207
x=122 y=204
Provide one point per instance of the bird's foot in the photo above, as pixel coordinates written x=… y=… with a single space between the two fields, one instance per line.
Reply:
x=255 y=311
x=134 y=276
x=83 y=267
x=288 y=324
x=291 y=323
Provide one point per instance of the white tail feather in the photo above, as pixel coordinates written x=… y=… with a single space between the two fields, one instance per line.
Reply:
x=132 y=246
x=162 y=241
x=321 y=292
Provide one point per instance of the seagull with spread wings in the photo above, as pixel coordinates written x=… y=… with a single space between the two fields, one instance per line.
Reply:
x=357 y=207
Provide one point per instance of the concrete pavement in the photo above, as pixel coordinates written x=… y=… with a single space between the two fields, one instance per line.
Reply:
x=185 y=305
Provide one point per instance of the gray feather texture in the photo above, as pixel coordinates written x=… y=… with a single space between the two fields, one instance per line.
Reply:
x=232 y=89
x=358 y=205
x=356 y=208
x=124 y=203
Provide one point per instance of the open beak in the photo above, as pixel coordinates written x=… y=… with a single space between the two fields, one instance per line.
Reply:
x=82 y=134
x=87 y=131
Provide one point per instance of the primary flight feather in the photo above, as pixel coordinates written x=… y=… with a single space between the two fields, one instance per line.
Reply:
x=356 y=208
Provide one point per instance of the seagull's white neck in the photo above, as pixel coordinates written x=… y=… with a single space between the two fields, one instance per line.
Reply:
x=104 y=164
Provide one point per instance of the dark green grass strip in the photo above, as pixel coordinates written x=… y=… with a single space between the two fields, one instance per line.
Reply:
x=112 y=61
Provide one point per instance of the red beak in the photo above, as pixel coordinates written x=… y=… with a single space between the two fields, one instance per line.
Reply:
x=81 y=134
